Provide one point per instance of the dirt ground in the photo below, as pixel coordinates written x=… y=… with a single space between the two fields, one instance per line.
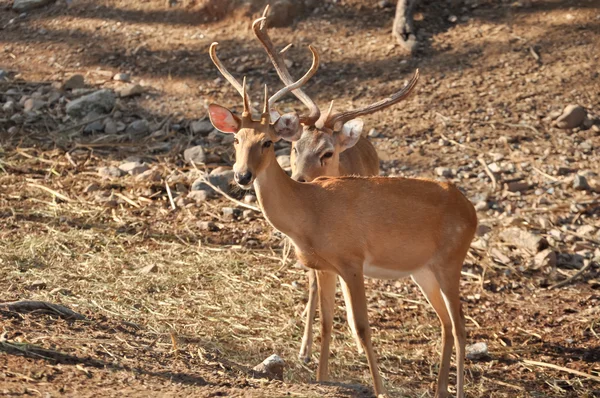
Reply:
x=215 y=303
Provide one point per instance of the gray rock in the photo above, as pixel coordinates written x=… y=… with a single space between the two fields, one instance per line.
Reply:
x=222 y=179
x=207 y=226
x=133 y=168
x=272 y=367
x=572 y=116
x=101 y=101
x=443 y=172
x=523 y=239
x=230 y=212
x=110 y=126
x=94 y=127
x=476 y=351
x=26 y=5
x=545 y=259
x=131 y=90
x=3 y=74
x=201 y=127
x=195 y=154
x=284 y=161
x=249 y=198
x=73 y=82
x=109 y=172
x=33 y=105
x=482 y=205
x=248 y=214
x=373 y=133
x=9 y=107
x=149 y=175
x=494 y=168
x=122 y=77
x=517 y=186
x=140 y=126
x=580 y=183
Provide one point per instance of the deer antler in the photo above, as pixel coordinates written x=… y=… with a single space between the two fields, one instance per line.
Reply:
x=279 y=94
x=336 y=121
x=261 y=34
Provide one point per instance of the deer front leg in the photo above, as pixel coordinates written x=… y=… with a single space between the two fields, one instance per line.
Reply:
x=350 y=316
x=403 y=29
x=326 y=284
x=310 y=310
x=356 y=287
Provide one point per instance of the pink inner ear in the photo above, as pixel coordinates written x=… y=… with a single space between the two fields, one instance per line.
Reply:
x=223 y=119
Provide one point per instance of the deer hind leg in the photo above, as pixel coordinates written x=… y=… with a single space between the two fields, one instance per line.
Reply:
x=356 y=287
x=310 y=310
x=351 y=323
x=450 y=286
x=430 y=287
x=326 y=282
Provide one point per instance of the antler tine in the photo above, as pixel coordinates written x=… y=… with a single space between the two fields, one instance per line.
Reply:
x=300 y=82
x=259 y=28
x=232 y=80
x=336 y=121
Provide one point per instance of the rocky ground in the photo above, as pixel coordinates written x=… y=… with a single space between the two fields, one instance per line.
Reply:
x=107 y=206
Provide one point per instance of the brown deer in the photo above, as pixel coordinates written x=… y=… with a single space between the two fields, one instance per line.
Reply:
x=321 y=152
x=355 y=226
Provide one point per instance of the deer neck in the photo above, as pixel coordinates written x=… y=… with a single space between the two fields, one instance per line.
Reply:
x=280 y=198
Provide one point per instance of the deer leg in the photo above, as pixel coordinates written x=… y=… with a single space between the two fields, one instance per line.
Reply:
x=351 y=323
x=356 y=287
x=450 y=284
x=326 y=284
x=430 y=287
x=403 y=29
x=310 y=310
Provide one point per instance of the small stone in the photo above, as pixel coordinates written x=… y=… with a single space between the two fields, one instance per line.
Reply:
x=94 y=127
x=517 y=186
x=201 y=127
x=182 y=201
x=230 y=212
x=483 y=229
x=131 y=90
x=572 y=116
x=494 y=168
x=122 y=77
x=62 y=291
x=373 y=133
x=272 y=367
x=207 y=226
x=195 y=154
x=101 y=101
x=37 y=285
x=580 y=183
x=249 y=198
x=452 y=18
x=109 y=172
x=482 y=205
x=147 y=269
x=586 y=230
x=221 y=179
x=149 y=175
x=9 y=107
x=93 y=187
x=476 y=351
x=545 y=259
x=284 y=161
x=33 y=105
x=26 y=5
x=443 y=172
x=198 y=196
x=110 y=126
x=3 y=74
x=133 y=168
x=140 y=126
x=247 y=214
x=524 y=239
x=73 y=82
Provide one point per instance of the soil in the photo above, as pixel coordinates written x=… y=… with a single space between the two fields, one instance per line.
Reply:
x=494 y=76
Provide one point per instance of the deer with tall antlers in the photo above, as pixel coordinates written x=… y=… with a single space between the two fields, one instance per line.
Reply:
x=350 y=227
x=319 y=151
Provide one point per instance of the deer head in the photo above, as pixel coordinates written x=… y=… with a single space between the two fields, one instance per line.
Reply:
x=322 y=138
x=254 y=138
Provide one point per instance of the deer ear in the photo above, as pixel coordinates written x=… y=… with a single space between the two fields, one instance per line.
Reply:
x=274 y=114
x=350 y=134
x=223 y=119
x=287 y=126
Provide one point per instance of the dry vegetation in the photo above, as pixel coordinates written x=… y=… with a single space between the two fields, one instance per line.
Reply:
x=180 y=310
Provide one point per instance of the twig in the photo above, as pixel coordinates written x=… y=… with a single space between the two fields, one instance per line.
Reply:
x=561 y=368
x=548 y=176
x=220 y=192
x=51 y=191
x=170 y=196
x=572 y=278
x=503 y=383
x=126 y=199
x=488 y=172
x=78 y=125
x=30 y=306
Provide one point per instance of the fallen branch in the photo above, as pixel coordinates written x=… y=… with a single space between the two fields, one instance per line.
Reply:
x=561 y=368
x=26 y=306
x=572 y=278
x=220 y=192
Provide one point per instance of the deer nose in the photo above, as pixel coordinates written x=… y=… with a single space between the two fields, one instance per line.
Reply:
x=243 y=178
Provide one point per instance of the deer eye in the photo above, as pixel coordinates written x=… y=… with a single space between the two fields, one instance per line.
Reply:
x=267 y=144
x=236 y=141
x=327 y=155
